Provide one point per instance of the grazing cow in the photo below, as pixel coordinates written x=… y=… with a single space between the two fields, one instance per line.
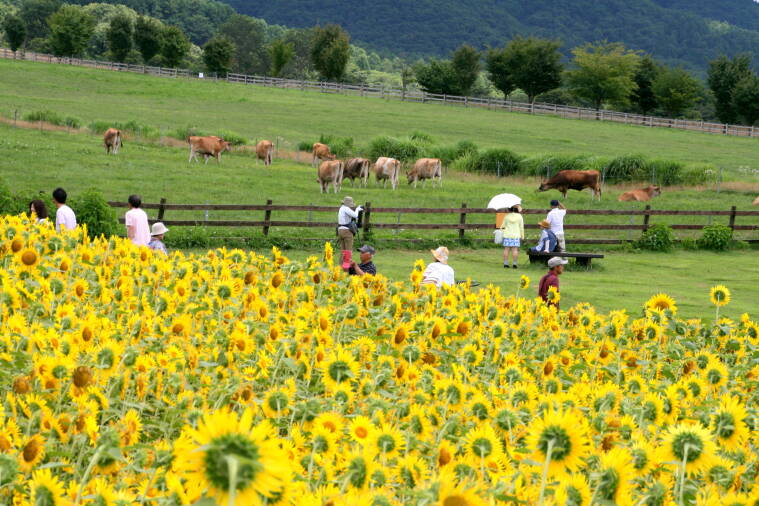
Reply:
x=357 y=168
x=387 y=169
x=574 y=180
x=321 y=152
x=424 y=169
x=207 y=146
x=330 y=171
x=112 y=141
x=756 y=201
x=642 y=195
x=263 y=152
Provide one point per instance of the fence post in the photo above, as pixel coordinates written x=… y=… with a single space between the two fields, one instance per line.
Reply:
x=646 y=217
x=367 y=216
x=462 y=221
x=161 y=208
x=267 y=217
x=732 y=219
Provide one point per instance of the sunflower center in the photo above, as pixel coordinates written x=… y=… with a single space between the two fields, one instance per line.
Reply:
x=321 y=444
x=482 y=447
x=339 y=371
x=505 y=420
x=43 y=496
x=480 y=410
x=29 y=258
x=357 y=472
x=640 y=459
x=453 y=395
x=649 y=411
x=695 y=389
x=714 y=376
x=361 y=432
x=235 y=446
x=692 y=441
x=724 y=425
x=608 y=484
x=562 y=444
x=277 y=401
x=456 y=500
x=224 y=292
x=386 y=443
x=416 y=426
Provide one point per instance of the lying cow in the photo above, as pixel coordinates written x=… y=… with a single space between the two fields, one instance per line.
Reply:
x=387 y=169
x=424 y=169
x=112 y=141
x=357 y=168
x=263 y=152
x=321 y=152
x=642 y=195
x=330 y=171
x=207 y=146
x=574 y=180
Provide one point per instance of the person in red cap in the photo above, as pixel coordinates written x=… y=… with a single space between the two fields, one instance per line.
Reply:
x=346 y=229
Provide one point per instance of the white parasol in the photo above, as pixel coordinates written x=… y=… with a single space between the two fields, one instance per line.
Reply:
x=504 y=201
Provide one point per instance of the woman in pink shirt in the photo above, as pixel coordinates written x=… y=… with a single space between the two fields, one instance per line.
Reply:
x=136 y=221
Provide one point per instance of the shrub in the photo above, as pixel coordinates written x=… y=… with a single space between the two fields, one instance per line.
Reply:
x=183 y=133
x=133 y=127
x=491 y=161
x=550 y=165
x=7 y=200
x=627 y=168
x=235 y=139
x=93 y=210
x=421 y=137
x=689 y=244
x=699 y=175
x=341 y=147
x=305 y=146
x=666 y=172
x=403 y=149
x=448 y=154
x=716 y=238
x=465 y=147
x=658 y=237
x=53 y=118
x=188 y=237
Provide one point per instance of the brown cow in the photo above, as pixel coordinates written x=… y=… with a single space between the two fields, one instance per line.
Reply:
x=574 y=180
x=207 y=146
x=756 y=201
x=330 y=171
x=642 y=195
x=321 y=152
x=357 y=168
x=387 y=169
x=263 y=152
x=112 y=141
x=424 y=169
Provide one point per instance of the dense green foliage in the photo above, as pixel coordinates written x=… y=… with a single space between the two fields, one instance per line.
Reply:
x=603 y=72
x=53 y=118
x=658 y=237
x=217 y=55
x=120 y=33
x=174 y=46
x=724 y=75
x=147 y=37
x=716 y=238
x=531 y=64
x=92 y=209
x=70 y=30
x=675 y=90
x=330 y=50
x=15 y=31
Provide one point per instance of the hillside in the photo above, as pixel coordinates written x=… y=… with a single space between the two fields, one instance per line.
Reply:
x=675 y=31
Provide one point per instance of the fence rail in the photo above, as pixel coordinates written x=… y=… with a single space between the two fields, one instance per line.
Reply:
x=409 y=95
x=369 y=218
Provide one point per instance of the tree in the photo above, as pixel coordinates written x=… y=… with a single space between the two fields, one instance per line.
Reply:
x=465 y=62
x=330 y=51
x=249 y=38
x=34 y=14
x=603 y=72
x=723 y=76
x=15 y=31
x=407 y=77
x=531 y=64
x=438 y=76
x=70 y=30
x=280 y=54
x=746 y=98
x=174 y=46
x=643 y=96
x=119 y=36
x=675 y=90
x=147 y=37
x=218 y=53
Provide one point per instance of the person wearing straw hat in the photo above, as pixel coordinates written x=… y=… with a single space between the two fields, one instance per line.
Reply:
x=157 y=231
x=439 y=273
x=548 y=241
x=346 y=229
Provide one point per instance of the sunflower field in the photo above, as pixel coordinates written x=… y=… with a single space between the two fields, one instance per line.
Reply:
x=235 y=378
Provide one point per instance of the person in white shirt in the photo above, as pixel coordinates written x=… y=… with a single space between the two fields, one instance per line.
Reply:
x=344 y=233
x=555 y=218
x=136 y=221
x=439 y=273
x=65 y=219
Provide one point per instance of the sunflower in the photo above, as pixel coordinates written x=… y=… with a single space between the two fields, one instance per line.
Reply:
x=661 y=302
x=719 y=295
x=386 y=441
x=728 y=424
x=411 y=470
x=28 y=258
x=524 y=282
x=642 y=454
x=573 y=490
x=361 y=430
x=445 y=453
x=553 y=297
x=262 y=467
x=358 y=470
x=276 y=403
x=652 y=409
x=339 y=367
x=455 y=492
x=689 y=444
x=483 y=442
x=565 y=434
x=32 y=453
x=716 y=374
x=614 y=477
x=131 y=426
x=46 y=489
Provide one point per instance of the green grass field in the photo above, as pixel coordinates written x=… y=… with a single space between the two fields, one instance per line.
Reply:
x=294 y=116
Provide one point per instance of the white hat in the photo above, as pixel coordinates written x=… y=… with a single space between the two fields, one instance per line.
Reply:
x=348 y=201
x=440 y=254
x=555 y=261
x=158 y=228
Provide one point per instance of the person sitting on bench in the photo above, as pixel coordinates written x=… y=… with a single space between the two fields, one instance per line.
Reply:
x=548 y=242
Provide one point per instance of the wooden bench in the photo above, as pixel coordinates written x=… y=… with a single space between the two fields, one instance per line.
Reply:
x=580 y=258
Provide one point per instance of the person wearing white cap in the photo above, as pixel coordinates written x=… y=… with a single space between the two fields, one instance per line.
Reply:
x=555 y=268
x=157 y=232
x=346 y=229
x=439 y=273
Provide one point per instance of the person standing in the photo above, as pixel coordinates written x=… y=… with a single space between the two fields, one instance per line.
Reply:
x=366 y=266
x=555 y=268
x=136 y=221
x=346 y=229
x=556 y=218
x=65 y=219
x=513 y=235
x=157 y=232
x=439 y=273
x=39 y=210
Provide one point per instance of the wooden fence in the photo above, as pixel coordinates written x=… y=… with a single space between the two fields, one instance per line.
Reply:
x=408 y=95
x=460 y=218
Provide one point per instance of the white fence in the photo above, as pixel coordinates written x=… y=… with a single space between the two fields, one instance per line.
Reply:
x=382 y=92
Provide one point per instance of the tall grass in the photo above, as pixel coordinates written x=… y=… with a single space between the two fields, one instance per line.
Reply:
x=53 y=118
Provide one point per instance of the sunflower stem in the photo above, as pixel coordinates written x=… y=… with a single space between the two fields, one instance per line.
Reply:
x=544 y=477
x=83 y=482
x=681 y=490
x=232 y=466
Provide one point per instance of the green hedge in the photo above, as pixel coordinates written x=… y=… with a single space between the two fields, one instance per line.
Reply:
x=53 y=118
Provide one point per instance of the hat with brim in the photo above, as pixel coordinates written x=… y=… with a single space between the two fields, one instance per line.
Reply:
x=544 y=224
x=556 y=261
x=158 y=228
x=366 y=249
x=348 y=201
x=440 y=254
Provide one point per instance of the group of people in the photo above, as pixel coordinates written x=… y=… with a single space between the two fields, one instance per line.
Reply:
x=138 y=230
x=551 y=233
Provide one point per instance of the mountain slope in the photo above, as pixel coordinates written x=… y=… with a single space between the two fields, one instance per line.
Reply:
x=683 y=32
